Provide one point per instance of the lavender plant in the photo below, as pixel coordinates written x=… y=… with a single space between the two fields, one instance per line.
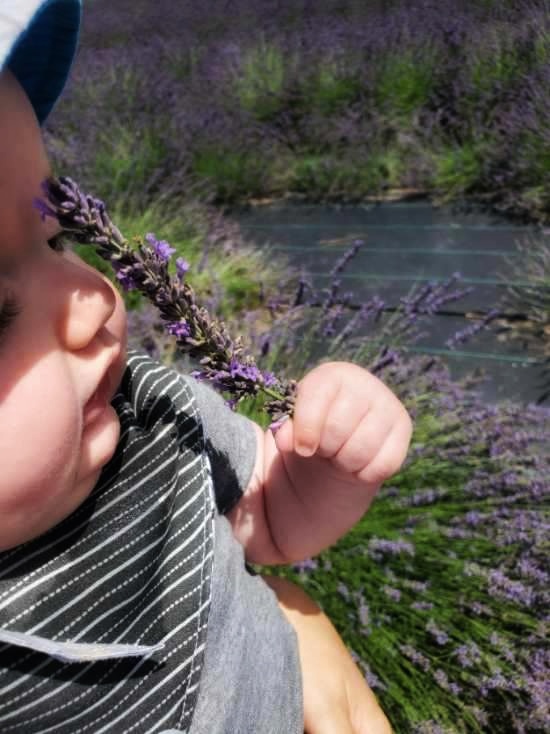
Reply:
x=441 y=591
x=221 y=359
x=477 y=125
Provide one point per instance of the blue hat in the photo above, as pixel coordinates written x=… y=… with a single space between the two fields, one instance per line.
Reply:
x=38 y=41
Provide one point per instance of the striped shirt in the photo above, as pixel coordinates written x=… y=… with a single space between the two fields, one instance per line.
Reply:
x=103 y=619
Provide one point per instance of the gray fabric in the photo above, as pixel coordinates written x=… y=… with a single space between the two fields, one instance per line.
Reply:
x=251 y=680
x=230 y=443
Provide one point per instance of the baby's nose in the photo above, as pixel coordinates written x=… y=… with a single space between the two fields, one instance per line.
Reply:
x=89 y=303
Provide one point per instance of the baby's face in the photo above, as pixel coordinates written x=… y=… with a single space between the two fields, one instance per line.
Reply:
x=68 y=338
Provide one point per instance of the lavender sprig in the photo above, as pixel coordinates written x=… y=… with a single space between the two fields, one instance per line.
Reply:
x=222 y=360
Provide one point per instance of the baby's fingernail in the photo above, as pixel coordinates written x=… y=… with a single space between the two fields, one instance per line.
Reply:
x=274 y=427
x=305 y=450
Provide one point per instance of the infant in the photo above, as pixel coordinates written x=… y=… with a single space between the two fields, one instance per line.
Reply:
x=131 y=497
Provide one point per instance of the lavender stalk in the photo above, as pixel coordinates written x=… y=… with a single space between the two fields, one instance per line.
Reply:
x=222 y=360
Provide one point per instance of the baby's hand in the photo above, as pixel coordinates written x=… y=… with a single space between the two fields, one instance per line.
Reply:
x=348 y=416
x=349 y=433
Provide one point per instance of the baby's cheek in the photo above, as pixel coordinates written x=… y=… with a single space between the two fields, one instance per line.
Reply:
x=38 y=454
x=30 y=485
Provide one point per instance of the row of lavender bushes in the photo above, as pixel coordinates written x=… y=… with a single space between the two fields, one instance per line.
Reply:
x=440 y=592
x=332 y=99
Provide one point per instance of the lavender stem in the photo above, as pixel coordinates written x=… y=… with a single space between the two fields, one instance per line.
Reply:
x=222 y=360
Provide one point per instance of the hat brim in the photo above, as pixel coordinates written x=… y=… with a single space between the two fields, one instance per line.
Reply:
x=38 y=40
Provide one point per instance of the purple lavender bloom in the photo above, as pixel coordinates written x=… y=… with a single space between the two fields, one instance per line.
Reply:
x=372 y=679
x=421 y=661
x=391 y=593
x=380 y=546
x=441 y=679
x=440 y=636
x=308 y=564
x=422 y=606
x=501 y=585
x=462 y=336
x=497 y=682
x=468 y=655
x=343 y=591
x=418 y=586
x=182 y=267
x=126 y=280
x=179 y=329
x=43 y=209
x=161 y=247
x=429 y=727
x=269 y=379
x=249 y=372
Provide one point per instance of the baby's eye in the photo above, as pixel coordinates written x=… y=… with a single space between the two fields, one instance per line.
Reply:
x=56 y=242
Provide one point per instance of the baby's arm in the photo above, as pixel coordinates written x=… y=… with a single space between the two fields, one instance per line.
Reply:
x=316 y=478
x=249 y=517
x=336 y=698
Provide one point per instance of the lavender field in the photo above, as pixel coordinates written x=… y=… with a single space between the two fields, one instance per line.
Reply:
x=174 y=114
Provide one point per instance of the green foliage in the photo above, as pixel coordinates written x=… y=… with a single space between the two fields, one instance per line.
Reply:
x=233 y=174
x=126 y=160
x=393 y=162
x=496 y=61
x=403 y=84
x=259 y=84
x=312 y=173
x=542 y=46
x=446 y=581
x=537 y=152
x=118 y=95
x=457 y=169
x=320 y=175
x=181 y=61
x=328 y=90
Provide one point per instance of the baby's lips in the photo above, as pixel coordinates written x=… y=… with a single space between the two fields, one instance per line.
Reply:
x=98 y=402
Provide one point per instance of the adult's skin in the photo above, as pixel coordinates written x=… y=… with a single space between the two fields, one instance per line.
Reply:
x=337 y=700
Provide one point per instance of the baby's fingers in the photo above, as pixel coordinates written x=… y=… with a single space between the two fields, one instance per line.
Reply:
x=391 y=456
x=315 y=396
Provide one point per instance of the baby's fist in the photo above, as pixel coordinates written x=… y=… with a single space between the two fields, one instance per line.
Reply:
x=348 y=417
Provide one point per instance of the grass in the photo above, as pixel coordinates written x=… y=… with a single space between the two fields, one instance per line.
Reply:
x=126 y=161
x=404 y=85
x=331 y=88
x=259 y=84
x=234 y=175
x=457 y=169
